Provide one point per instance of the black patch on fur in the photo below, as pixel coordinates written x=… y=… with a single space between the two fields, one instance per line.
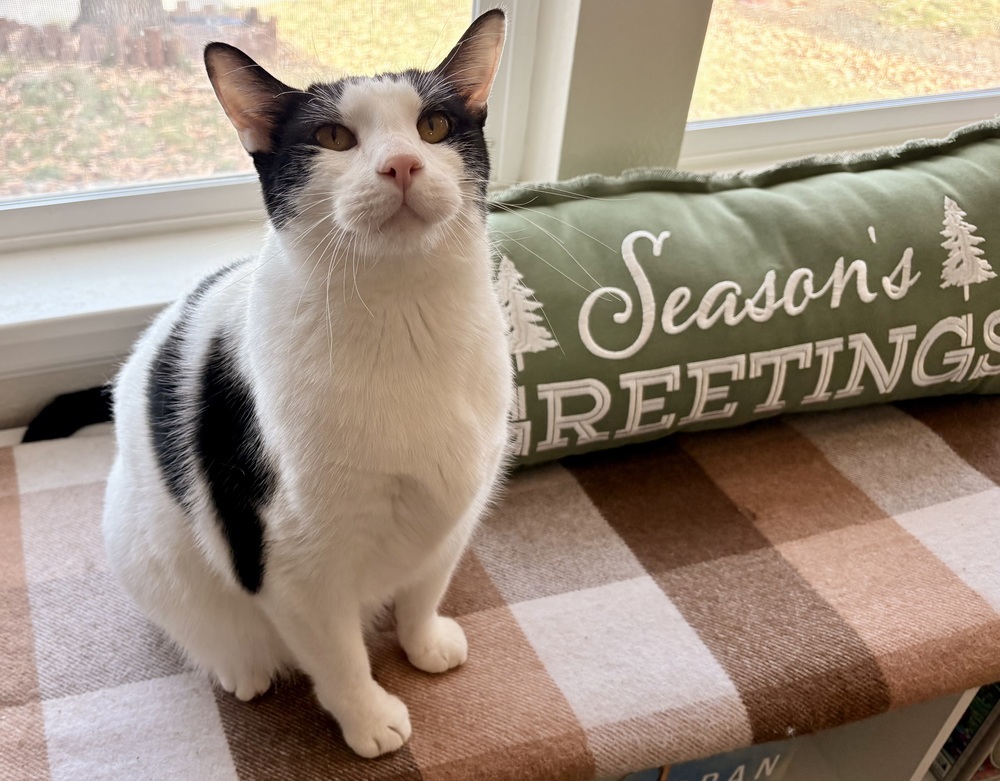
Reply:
x=283 y=174
x=285 y=170
x=166 y=396
x=230 y=450
x=466 y=136
x=206 y=422
x=165 y=405
x=68 y=413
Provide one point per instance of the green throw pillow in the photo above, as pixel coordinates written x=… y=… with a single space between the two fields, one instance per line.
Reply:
x=661 y=301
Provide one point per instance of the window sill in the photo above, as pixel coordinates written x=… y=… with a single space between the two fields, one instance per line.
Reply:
x=72 y=306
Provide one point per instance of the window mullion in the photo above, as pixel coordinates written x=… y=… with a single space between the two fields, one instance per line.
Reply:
x=631 y=83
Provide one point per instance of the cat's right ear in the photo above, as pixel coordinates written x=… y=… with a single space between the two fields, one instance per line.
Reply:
x=251 y=97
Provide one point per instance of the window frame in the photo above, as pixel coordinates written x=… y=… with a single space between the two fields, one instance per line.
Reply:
x=754 y=141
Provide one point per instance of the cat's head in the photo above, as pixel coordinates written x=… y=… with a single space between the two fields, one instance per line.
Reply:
x=380 y=164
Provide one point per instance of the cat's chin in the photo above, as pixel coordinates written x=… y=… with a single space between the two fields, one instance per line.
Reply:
x=405 y=219
x=410 y=228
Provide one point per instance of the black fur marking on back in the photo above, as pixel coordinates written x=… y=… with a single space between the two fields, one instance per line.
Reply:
x=165 y=408
x=165 y=397
x=230 y=450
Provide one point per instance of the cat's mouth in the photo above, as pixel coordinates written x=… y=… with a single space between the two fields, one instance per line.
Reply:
x=414 y=215
x=403 y=217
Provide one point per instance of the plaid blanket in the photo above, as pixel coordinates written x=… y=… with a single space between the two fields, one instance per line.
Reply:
x=626 y=609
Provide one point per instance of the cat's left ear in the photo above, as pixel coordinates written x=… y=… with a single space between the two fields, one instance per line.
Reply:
x=472 y=65
x=252 y=98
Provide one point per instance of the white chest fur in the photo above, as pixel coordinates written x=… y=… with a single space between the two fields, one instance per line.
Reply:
x=396 y=390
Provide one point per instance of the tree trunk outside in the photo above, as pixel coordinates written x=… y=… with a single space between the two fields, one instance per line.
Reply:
x=133 y=15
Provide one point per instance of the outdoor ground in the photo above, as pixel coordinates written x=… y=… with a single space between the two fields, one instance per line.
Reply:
x=73 y=127
x=776 y=55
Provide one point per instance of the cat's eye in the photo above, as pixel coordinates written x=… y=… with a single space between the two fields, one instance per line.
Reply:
x=434 y=127
x=336 y=137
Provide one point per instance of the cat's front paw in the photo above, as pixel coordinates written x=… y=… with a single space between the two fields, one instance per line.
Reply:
x=245 y=684
x=437 y=646
x=379 y=725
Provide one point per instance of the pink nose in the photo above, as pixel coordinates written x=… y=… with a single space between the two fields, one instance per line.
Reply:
x=401 y=168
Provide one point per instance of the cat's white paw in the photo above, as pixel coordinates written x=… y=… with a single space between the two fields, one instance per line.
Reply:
x=246 y=684
x=380 y=725
x=438 y=646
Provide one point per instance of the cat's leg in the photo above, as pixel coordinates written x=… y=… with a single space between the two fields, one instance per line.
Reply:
x=325 y=636
x=152 y=549
x=231 y=639
x=220 y=629
x=433 y=643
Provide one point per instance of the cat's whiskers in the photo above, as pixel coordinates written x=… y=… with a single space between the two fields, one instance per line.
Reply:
x=305 y=232
x=437 y=40
x=568 y=225
x=518 y=210
x=358 y=291
x=555 y=238
x=306 y=235
x=306 y=207
x=530 y=251
x=522 y=208
x=317 y=244
x=345 y=234
x=323 y=248
x=325 y=244
x=457 y=231
x=544 y=188
x=254 y=264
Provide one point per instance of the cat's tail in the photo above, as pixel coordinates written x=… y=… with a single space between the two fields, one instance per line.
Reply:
x=68 y=413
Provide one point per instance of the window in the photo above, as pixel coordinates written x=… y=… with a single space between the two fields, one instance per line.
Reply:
x=781 y=78
x=765 y=56
x=106 y=94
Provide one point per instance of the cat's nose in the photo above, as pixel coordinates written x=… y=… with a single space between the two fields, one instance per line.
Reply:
x=401 y=168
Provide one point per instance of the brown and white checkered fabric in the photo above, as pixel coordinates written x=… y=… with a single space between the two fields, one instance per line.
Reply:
x=624 y=610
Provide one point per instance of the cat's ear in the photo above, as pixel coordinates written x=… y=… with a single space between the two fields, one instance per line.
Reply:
x=251 y=97
x=472 y=65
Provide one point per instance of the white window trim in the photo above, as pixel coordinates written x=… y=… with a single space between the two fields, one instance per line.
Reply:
x=744 y=142
x=127 y=212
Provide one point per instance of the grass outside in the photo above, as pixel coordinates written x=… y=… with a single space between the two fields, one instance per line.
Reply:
x=68 y=128
x=76 y=127
x=331 y=39
x=967 y=19
x=762 y=56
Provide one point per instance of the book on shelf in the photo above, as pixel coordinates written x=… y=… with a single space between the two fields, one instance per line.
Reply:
x=766 y=762
x=975 y=736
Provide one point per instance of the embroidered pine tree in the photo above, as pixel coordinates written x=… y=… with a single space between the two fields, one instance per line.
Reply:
x=528 y=333
x=965 y=264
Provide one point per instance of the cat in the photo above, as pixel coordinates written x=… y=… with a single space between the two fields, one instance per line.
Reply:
x=312 y=434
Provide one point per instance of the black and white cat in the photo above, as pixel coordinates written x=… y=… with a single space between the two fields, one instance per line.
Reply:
x=313 y=434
